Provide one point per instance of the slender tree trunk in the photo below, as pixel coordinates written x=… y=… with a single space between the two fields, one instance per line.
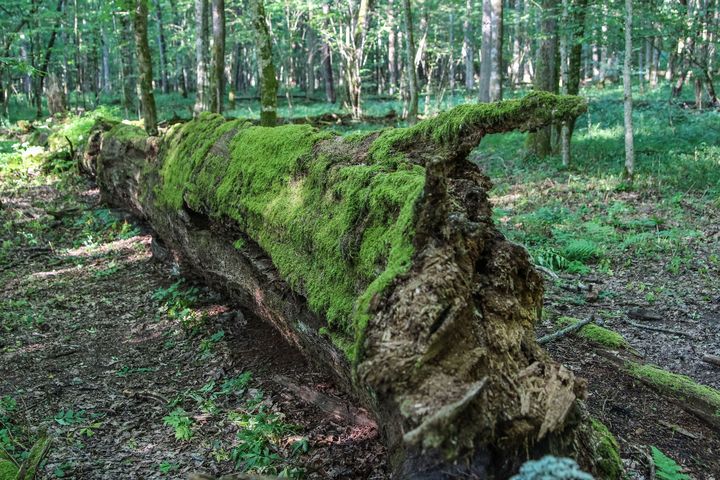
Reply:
x=46 y=62
x=468 y=47
x=145 y=66
x=546 y=74
x=327 y=61
x=392 y=53
x=627 y=87
x=451 y=52
x=201 y=53
x=485 y=49
x=126 y=62
x=106 y=83
x=268 y=81
x=577 y=21
x=218 y=56
x=565 y=76
x=410 y=63
x=162 y=51
x=496 y=50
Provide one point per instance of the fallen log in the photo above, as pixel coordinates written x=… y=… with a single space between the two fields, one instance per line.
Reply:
x=376 y=254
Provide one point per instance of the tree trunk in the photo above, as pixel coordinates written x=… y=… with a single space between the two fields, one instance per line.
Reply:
x=201 y=56
x=46 y=62
x=440 y=343
x=451 y=53
x=468 y=48
x=410 y=63
x=485 y=49
x=268 y=81
x=327 y=62
x=145 y=67
x=546 y=74
x=627 y=88
x=162 y=51
x=126 y=62
x=392 y=53
x=496 y=58
x=217 y=80
x=565 y=79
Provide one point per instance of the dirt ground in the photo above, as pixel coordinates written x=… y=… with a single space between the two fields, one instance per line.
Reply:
x=94 y=359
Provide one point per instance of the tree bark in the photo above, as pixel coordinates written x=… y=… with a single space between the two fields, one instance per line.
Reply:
x=410 y=63
x=268 y=81
x=468 y=47
x=217 y=80
x=485 y=50
x=162 y=51
x=446 y=358
x=496 y=58
x=546 y=74
x=46 y=62
x=627 y=90
x=126 y=63
x=147 y=97
x=327 y=61
x=201 y=56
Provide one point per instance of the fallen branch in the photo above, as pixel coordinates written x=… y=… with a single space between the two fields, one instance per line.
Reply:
x=713 y=359
x=565 y=331
x=659 y=329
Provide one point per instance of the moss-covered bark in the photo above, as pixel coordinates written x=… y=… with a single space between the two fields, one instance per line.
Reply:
x=377 y=255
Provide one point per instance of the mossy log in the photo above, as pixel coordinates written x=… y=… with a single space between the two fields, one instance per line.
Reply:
x=376 y=255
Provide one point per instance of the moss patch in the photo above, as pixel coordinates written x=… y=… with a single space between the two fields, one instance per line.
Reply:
x=679 y=384
x=126 y=132
x=595 y=333
x=607 y=452
x=337 y=231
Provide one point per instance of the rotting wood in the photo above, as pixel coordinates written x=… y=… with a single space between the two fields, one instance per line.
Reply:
x=459 y=312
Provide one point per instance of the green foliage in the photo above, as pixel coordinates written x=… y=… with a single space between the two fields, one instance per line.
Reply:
x=177 y=301
x=665 y=467
x=180 y=421
x=70 y=417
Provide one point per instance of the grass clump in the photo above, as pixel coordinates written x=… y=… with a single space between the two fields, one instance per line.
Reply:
x=607 y=451
x=679 y=384
x=595 y=333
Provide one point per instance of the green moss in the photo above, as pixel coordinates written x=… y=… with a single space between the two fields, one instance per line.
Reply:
x=239 y=244
x=8 y=470
x=679 y=384
x=125 y=132
x=338 y=232
x=607 y=452
x=595 y=333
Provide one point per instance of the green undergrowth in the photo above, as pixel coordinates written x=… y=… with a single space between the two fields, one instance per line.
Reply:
x=337 y=231
x=596 y=333
x=607 y=452
x=680 y=385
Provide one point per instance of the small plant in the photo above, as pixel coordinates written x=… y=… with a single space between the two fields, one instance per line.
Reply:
x=70 y=417
x=181 y=422
x=665 y=467
x=167 y=467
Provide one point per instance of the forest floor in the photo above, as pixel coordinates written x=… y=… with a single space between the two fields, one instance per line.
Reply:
x=136 y=373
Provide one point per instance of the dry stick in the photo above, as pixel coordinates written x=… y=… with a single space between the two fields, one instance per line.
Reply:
x=565 y=331
x=659 y=329
x=714 y=359
x=547 y=271
x=650 y=461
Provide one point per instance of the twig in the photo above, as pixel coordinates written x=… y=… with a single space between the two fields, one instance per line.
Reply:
x=659 y=329
x=650 y=461
x=565 y=331
x=714 y=359
x=548 y=272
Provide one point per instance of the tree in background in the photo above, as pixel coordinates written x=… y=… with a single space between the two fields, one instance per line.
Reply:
x=410 y=63
x=147 y=99
x=627 y=91
x=546 y=72
x=491 y=66
x=217 y=77
x=268 y=81
x=202 y=28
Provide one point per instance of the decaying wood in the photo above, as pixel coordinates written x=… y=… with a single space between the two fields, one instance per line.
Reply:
x=713 y=359
x=448 y=363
